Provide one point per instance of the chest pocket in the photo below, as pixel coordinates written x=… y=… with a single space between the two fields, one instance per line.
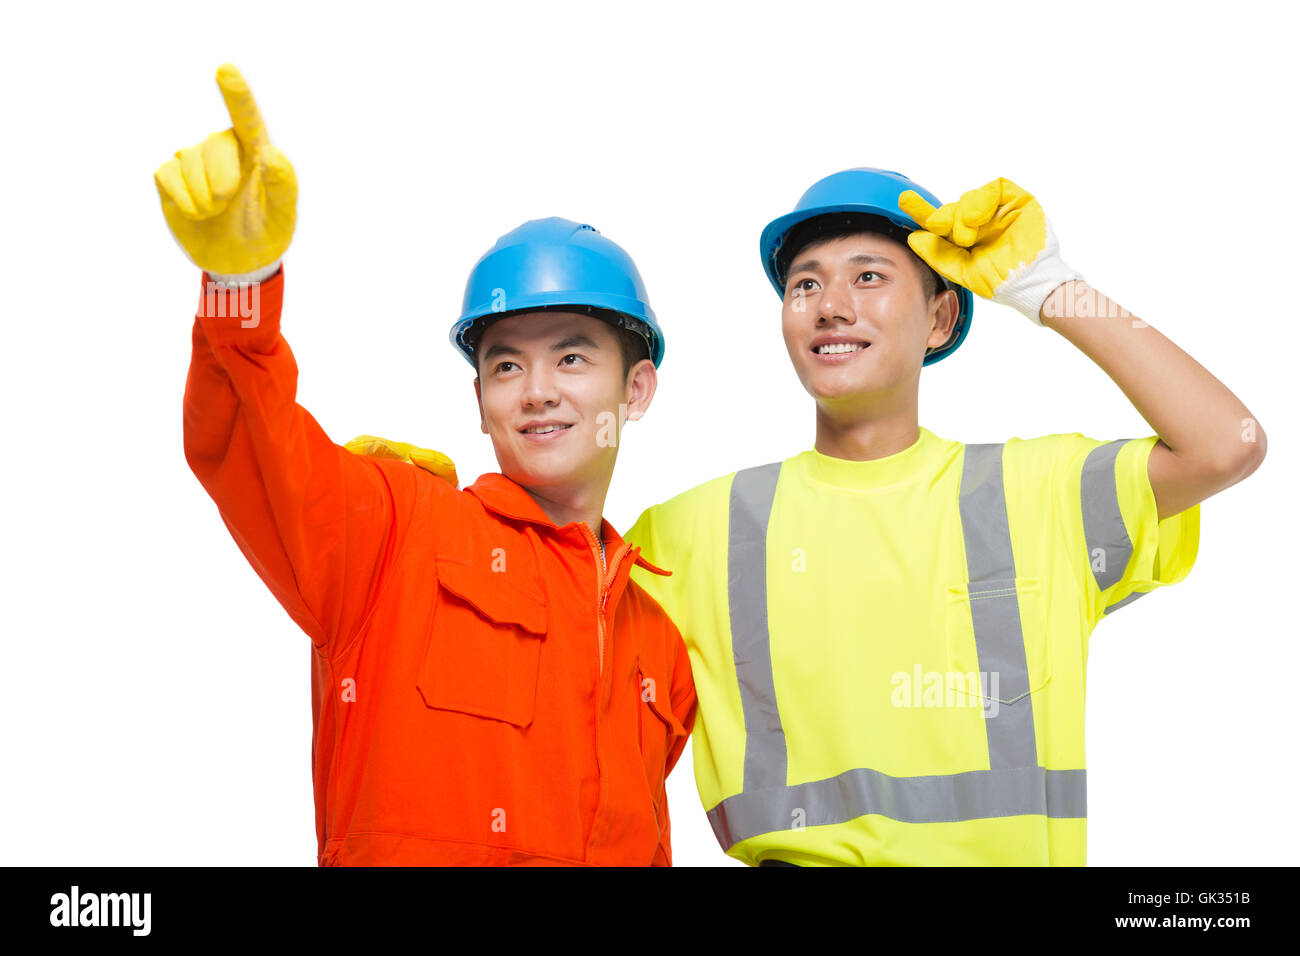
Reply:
x=997 y=640
x=484 y=646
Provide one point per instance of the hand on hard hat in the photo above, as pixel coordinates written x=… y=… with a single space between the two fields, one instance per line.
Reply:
x=231 y=201
x=995 y=241
x=434 y=462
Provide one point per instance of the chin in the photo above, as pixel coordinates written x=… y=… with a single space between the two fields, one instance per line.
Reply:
x=531 y=474
x=824 y=387
x=535 y=472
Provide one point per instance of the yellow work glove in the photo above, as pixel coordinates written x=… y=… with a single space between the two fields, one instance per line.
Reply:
x=995 y=241
x=431 y=461
x=231 y=201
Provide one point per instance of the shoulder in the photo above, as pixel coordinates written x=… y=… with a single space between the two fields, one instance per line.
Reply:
x=1070 y=452
x=1050 y=457
x=701 y=497
x=452 y=522
x=413 y=488
x=683 y=511
x=1047 y=449
x=1076 y=472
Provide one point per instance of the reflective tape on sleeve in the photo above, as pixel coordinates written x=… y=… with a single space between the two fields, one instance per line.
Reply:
x=1109 y=546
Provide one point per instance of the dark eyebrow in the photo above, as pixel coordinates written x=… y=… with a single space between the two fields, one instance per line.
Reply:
x=500 y=349
x=867 y=258
x=864 y=258
x=808 y=265
x=574 y=341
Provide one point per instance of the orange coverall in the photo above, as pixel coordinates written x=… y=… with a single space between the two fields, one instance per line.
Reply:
x=482 y=692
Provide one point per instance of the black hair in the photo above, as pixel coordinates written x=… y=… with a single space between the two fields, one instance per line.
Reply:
x=633 y=343
x=839 y=225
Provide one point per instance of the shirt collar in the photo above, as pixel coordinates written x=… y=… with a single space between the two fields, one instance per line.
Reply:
x=509 y=499
x=875 y=472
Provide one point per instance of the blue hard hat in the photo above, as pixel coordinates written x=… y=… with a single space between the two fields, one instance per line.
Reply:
x=874 y=192
x=549 y=263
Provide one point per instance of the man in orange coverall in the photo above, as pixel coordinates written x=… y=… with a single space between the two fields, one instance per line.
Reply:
x=488 y=686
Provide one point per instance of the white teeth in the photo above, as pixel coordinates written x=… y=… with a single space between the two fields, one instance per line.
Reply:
x=839 y=347
x=544 y=429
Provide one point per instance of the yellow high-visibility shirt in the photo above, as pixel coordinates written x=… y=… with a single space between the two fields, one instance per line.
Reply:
x=890 y=656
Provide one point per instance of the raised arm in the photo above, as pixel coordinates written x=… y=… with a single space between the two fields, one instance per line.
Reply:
x=1209 y=440
x=997 y=241
x=314 y=520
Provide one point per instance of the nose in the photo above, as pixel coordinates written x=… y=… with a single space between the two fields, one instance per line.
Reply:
x=835 y=303
x=539 y=387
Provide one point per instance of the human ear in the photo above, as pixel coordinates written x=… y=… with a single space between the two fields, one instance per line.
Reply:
x=478 y=397
x=943 y=316
x=642 y=380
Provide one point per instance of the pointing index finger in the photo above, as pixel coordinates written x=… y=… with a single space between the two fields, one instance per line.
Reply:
x=244 y=114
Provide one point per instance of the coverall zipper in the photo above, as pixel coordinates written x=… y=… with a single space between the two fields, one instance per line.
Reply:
x=603 y=577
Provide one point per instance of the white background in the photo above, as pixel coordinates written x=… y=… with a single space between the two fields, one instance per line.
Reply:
x=156 y=705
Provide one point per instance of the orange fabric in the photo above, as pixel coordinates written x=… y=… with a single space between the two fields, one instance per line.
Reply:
x=482 y=692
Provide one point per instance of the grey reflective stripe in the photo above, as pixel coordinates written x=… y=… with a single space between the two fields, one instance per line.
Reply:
x=1014 y=785
x=1103 y=524
x=1128 y=600
x=994 y=606
x=752 y=493
x=943 y=798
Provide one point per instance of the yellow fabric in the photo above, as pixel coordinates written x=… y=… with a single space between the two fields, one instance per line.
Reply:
x=231 y=201
x=866 y=581
x=431 y=461
x=982 y=238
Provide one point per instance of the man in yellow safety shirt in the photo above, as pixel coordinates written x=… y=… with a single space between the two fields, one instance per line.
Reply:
x=889 y=632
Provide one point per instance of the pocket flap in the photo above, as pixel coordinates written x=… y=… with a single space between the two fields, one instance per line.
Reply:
x=656 y=691
x=496 y=596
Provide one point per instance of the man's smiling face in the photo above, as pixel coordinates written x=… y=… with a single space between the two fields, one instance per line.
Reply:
x=856 y=317
x=545 y=378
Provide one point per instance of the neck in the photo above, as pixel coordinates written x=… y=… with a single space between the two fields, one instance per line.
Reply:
x=867 y=431
x=585 y=503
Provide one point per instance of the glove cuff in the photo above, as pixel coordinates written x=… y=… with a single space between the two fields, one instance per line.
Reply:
x=1028 y=288
x=246 y=278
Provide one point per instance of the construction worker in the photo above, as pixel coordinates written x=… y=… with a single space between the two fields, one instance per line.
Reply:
x=889 y=631
x=488 y=686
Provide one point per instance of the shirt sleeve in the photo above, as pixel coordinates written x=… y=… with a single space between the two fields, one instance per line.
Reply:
x=645 y=535
x=1123 y=551
x=683 y=701
x=314 y=520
